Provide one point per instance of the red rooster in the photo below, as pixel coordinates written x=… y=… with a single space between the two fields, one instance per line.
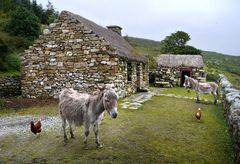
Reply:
x=198 y=114
x=36 y=127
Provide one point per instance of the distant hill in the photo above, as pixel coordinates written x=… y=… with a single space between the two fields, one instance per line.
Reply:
x=145 y=46
x=220 y=63
x=215 y=62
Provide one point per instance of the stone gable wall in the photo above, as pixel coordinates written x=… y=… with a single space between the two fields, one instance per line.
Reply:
x=231 y=102
x=70 y=55
x=173 y=74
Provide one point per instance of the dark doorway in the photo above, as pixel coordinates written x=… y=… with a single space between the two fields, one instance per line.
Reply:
x=152 y=77
x=185 y=71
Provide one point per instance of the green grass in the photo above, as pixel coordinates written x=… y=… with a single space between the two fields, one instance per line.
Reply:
x=163 y=130
x=10 y=73
x=49 y=110
x=184 y=92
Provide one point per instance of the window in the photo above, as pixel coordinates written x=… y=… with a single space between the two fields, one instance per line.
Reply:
x=129 y=71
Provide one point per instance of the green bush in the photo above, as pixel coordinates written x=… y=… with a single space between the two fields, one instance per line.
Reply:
x=212 y=77
x=10 y=63
x=20 y=43
x=23 y=23
x=13 y=62
x=2 y=103
x=152 y=62
x=4 y=19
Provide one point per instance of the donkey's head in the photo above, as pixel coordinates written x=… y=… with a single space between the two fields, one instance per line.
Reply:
x=186 y=83
x=110 y=101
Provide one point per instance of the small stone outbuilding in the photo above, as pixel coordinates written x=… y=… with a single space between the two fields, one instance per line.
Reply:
x=78 y=53
x=172 y=68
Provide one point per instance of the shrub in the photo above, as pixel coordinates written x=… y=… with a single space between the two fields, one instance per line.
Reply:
x=2 y=103
x=13 y=62
x=212 y=77
x=23 y=23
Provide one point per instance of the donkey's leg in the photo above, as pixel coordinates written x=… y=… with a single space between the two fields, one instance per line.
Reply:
x=86 y=133
x=64 y=129
x=197 y=95
x=71 y=131
x=96 y=132
x=215 y=97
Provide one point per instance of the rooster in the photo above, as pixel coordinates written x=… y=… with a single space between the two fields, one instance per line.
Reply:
x=36 y=127
x=198 y=114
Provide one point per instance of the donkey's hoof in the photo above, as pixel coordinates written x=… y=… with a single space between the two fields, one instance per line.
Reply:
x=65 y=139
x=99 y=146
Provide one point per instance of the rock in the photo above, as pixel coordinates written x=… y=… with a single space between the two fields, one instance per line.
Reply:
x=65 y=31
x=59 y=64
x=46 y=32
x=47 y=87
x=69 y=53
x=103 y=62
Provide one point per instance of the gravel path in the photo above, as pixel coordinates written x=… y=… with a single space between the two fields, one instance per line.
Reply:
x=20 y=124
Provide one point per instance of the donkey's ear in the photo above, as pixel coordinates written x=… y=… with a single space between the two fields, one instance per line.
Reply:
x=101 y=88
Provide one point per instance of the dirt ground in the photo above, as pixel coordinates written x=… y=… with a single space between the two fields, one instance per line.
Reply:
x=18 y=102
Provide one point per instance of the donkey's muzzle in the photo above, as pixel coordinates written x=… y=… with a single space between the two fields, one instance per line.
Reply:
x=114 y=115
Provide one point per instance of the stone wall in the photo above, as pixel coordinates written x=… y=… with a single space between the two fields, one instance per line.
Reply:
x=173 y=74
x=231 y=102
x=70 y=55
x=10 y=86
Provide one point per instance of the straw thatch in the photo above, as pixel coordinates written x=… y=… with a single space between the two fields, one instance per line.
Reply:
x=124 y=49
x=168 y=60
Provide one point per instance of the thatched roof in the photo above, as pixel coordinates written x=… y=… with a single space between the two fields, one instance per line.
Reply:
x=124 y=49
x=180 y=60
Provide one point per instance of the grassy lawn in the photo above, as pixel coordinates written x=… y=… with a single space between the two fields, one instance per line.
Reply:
x=163 y=130
x=184 y=92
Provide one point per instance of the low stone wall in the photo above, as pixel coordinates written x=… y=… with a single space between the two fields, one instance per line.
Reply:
x=10 y=86
x=231 y=102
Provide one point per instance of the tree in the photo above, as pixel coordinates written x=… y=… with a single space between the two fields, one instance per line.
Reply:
x=38 y=10
x=23 y=23
x=49 y=15
x=176 y=44
x=3 y=55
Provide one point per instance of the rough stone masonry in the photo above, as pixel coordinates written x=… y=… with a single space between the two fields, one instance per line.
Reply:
x=231 y=102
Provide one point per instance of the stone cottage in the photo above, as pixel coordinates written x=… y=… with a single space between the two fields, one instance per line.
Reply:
x=78 y=53
x=172 y=68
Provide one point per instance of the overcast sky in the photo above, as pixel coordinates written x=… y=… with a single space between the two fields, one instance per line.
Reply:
x=212 y=24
